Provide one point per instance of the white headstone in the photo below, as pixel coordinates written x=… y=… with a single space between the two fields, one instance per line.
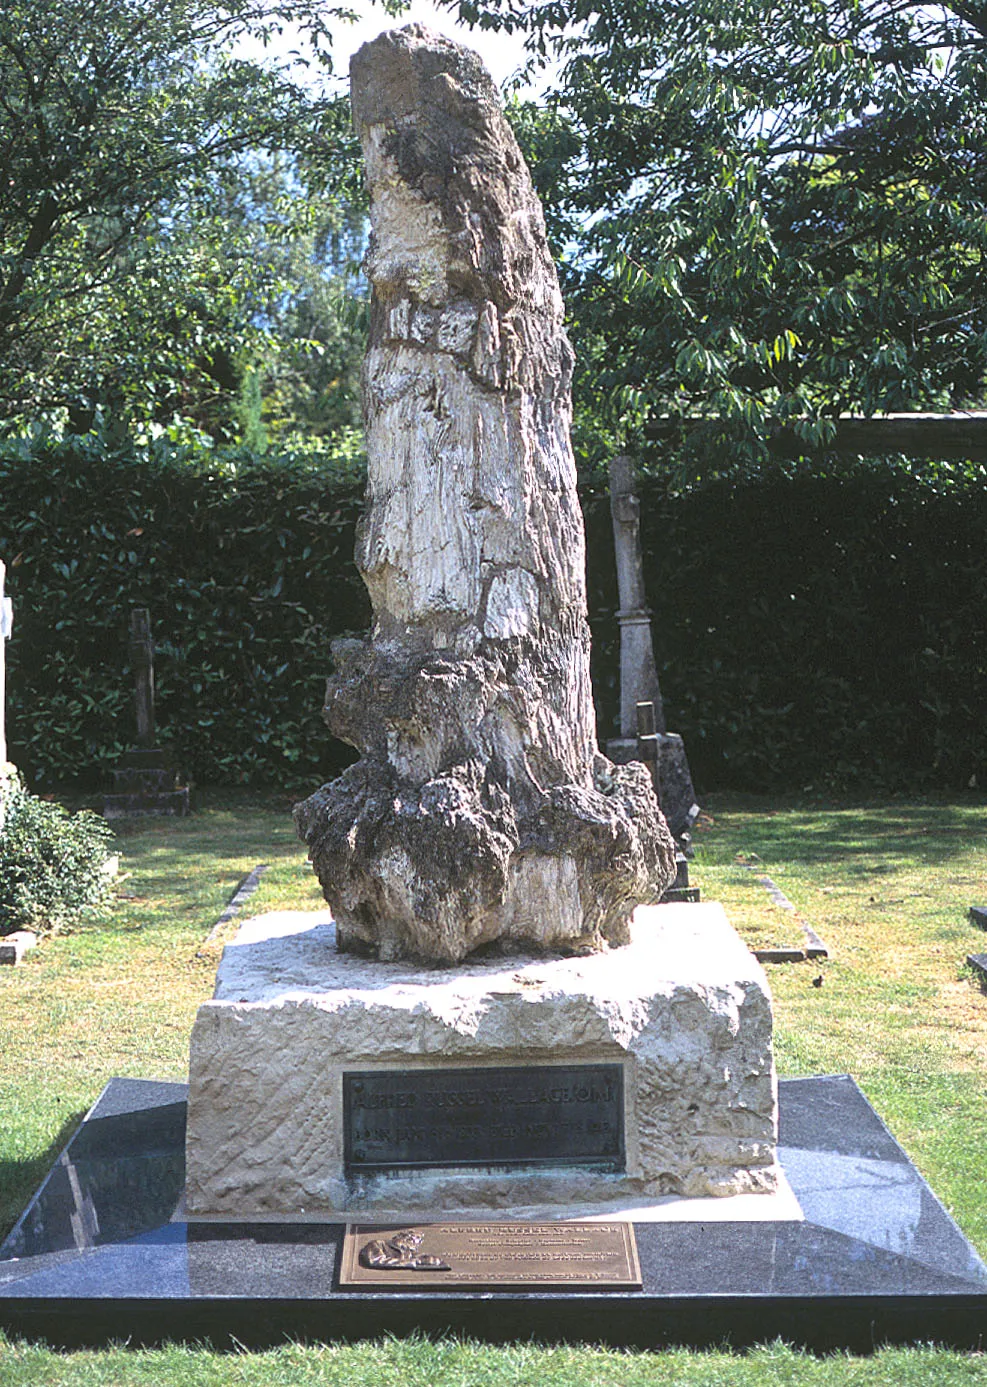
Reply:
x=6 y=626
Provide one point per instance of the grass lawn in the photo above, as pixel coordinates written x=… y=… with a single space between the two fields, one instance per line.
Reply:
x=886 y=886
x=888 y=889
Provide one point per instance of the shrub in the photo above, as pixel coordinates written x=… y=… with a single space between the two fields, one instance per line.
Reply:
x=52 y=863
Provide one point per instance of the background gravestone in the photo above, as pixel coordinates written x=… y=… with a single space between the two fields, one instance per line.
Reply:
x=146 y=782
x=6 y=627
x=638 y=671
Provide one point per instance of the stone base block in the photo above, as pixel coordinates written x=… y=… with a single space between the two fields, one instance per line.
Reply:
x=683 y=1011
x=146 y=784
x=14 y=946
x=678 y=894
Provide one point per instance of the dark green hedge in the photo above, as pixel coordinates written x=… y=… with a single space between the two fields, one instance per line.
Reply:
x=247 y=571
x=815 y=630
x=810 y=629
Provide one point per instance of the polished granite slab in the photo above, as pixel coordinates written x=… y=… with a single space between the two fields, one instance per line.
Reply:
x=102 y=1252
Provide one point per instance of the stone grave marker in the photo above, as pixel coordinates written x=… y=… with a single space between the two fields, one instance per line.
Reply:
x=480 y=809
x=649 y=753
x=978 y=962
x=638 y=671
x=146 y=783
x=142 y=661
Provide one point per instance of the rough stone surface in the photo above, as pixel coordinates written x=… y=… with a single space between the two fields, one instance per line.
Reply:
x=684 y=1008
x=677 y=794
x=678 y=798
x=480 y=809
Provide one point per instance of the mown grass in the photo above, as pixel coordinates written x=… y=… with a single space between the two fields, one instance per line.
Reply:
x=888 y=889
x=886 y=886
x=419 y=1363
x=118 y=995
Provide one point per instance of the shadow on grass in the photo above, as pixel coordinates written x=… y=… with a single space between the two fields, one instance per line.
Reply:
x=927 y=832
x=21 y=1179
x=178 y=869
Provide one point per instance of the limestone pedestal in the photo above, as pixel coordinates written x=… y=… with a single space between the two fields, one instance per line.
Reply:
x=683 y=1011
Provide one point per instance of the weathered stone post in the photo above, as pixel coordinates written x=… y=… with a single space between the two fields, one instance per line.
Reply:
x=145 y=782
x=638 y=671
x=142 y=660
x=6 y=627
x=480 y=809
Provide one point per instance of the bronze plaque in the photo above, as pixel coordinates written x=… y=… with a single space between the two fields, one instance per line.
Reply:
x=568 y=1114
x=441 y=1256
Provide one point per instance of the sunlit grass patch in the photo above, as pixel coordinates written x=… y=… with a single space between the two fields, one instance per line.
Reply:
x=887 y=888
x=118 y=995
x=418 y=1362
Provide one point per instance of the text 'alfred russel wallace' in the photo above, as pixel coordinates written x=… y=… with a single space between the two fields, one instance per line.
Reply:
x=535 y=1115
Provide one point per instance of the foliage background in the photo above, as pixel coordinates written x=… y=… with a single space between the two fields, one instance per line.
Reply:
x=177 y=219
x=763 y=212
x=246 y=568
x=813 y=628
x=823 y=627
x=767 y=211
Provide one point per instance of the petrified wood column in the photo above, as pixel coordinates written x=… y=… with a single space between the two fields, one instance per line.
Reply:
x=480 y=809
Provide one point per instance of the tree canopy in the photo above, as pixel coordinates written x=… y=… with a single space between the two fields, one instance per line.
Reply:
x=137 y=269
x=766 y=209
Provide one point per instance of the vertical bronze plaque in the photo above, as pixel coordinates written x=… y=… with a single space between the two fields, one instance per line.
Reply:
x=439 y=1256
x=398 y=1119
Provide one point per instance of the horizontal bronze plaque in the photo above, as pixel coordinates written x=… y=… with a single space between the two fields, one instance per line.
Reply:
x=441 y=1256
x=569 y=1114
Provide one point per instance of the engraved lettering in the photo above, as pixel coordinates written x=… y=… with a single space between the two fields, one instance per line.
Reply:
x=531 y=1115
x=384 y=1100
x=603 y=1255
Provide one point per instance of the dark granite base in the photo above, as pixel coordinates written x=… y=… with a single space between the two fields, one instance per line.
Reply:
x=100 y=1254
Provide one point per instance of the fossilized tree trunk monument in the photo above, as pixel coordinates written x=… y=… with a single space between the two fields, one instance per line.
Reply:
x=480 y=809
